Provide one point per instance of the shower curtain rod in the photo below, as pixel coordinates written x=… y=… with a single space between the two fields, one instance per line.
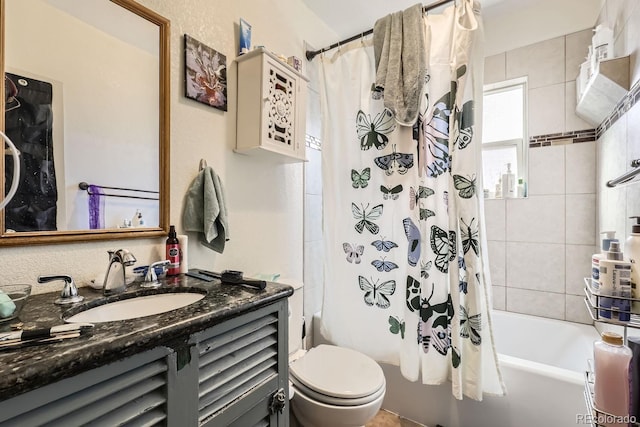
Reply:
x=310 y=54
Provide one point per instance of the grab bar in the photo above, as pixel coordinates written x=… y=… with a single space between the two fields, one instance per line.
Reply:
x=628 y=176
x=84 y=186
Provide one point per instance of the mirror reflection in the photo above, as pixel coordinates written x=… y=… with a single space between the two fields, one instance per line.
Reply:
x=82 y=91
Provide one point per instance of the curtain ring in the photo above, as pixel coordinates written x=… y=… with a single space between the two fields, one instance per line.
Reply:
x=339 y=47
x=362 y=38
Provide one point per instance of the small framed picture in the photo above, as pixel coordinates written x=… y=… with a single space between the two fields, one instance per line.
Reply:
x=245 y=37
x=205 y=74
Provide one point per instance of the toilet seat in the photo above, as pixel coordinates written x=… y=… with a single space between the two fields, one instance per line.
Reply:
x=338 y=376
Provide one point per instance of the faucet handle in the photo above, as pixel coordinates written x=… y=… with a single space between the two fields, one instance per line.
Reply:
x=69 y=294
x=151 y=279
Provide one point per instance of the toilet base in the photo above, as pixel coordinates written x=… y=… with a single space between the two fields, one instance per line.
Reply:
x=311 y=413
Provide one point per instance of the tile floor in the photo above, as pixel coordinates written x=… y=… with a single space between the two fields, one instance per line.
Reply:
x=389 y=419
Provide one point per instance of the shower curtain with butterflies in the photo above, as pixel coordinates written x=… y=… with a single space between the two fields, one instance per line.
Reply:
x=406 y=277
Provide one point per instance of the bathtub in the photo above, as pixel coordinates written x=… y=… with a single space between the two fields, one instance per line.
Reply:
x=542 y=363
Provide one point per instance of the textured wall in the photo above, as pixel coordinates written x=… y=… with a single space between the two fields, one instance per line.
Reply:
x=265 y=198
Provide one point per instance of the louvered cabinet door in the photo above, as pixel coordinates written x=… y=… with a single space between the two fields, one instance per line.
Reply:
x=242 y=365
x=131 y=392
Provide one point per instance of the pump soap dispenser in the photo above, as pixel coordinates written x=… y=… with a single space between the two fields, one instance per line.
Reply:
x=632 y=251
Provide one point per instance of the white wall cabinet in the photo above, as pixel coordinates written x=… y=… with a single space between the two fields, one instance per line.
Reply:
x=271 y=116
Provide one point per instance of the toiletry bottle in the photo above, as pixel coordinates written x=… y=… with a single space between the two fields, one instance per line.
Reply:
x=634 y=373
x=508 y=183
x=614 y=278
x=135 y=221
x=611 y=360
x=140 y=219
x=632 y=251
x=173 y=252
x=499 y=189
x=608 y=237
x=602 y=42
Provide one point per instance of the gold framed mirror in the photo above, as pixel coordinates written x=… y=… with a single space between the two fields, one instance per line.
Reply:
x=86 y=99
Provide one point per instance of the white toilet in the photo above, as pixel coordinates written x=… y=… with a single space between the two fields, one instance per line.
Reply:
x=332 y=386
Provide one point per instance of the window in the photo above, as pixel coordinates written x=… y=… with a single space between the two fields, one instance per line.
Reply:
x=504 y=139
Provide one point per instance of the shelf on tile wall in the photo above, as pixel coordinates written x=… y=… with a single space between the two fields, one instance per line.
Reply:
x=606 y=87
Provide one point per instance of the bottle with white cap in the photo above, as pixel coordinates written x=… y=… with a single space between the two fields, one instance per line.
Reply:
x=614 y=278
x=608 y=237
x=632 y=251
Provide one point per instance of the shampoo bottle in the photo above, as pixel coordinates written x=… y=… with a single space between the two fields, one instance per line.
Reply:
x=508 y=183
x=608 y=237
x=173 y=252
x=614 y=278
x=632 y=251
x=611 y=360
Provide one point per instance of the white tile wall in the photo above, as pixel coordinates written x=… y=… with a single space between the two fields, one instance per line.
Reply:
x=497 y=264
x=495 y=68
x=581 y=219
x=578 y=266
x=580 y=165
x=536 y=266
x=537 y=303
x=495 y=211
x=547 y=171
x=543 y=62
x=541 y=246
x=538 y=219
x=499 y=297
x=546 y=109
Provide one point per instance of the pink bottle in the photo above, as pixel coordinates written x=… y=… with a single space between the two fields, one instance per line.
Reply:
x=611 y=359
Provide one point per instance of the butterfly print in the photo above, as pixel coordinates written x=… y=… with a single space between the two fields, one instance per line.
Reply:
x=374 y=133
x=470 y=326
x=365 y=218
x=466 y=187
x=415 y=196
x=354 y=252
x=434 y=328
x=377 y=294
x=465 y=124
x=444 y=246
x=413 y=236
x=391 y=193
x=414 y=200
x=413 y=294
x=469 y=237
x=390 y=163
x=360 y=179
x=384 y=245
x=434 y=138
x=382 y=265
x=396 y=326
x=424 y=269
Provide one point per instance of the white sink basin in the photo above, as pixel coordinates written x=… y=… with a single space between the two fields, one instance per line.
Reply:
x=134 y=308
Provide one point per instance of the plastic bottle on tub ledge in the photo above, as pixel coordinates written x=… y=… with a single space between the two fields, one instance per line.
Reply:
x=614 y=279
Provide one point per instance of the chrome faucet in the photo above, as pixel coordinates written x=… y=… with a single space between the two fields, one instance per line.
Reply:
x=69 y=294
x=115 y=279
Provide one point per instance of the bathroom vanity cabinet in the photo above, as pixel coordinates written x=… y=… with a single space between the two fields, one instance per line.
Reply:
x=231 y=373
x=272 y=99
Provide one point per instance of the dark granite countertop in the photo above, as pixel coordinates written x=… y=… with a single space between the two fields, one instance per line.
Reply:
x=26 y=369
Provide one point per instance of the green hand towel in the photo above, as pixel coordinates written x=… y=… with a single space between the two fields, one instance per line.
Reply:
x=205 y=210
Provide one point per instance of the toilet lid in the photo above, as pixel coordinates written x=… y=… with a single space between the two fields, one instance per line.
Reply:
x=338 y=372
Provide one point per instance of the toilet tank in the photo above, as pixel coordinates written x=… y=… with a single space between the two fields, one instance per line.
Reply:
x=296 y=317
